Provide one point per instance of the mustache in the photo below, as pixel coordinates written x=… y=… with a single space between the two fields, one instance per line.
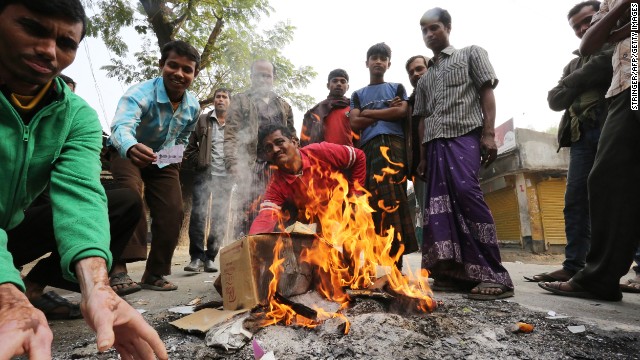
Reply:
x=41 y=61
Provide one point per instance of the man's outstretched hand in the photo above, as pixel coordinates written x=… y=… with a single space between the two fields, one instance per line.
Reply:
x=23 y=328
x=115 y=322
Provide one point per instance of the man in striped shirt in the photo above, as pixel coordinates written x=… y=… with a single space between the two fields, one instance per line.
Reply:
x=455 y=98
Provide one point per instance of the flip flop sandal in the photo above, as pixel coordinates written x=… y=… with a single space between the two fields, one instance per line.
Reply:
x=506 y=292
x=629 y=288
x=576 y=292
x=50 y=301
x=452 y=286
x=548 y=277
x=122 y=278
x=152 y=280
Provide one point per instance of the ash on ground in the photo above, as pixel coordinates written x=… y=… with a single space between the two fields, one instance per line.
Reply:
x=457 y=329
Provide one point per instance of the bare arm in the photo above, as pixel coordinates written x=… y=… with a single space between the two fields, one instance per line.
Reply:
x=488 y=141
x=392 y=113
x=601 y=32
x=358 y=121
x=115 y=322
x=23 y=328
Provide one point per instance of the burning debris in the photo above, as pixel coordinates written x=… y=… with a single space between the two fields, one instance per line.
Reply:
x=346 y=259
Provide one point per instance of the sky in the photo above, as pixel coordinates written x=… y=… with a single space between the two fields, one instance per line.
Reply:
x=528 y=42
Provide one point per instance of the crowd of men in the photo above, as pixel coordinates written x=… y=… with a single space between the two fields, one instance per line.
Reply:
x=249 y=162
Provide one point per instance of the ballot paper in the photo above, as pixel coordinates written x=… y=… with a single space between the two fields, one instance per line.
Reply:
x=170 y=155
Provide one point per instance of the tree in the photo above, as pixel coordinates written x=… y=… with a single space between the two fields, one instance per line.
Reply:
x=223 y=30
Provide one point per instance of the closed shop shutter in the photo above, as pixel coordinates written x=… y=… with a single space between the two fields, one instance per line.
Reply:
x=551 y=198
x=504 y=208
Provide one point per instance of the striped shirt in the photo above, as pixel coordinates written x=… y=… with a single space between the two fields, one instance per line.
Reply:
x=447 y=95
x=621 y=60
x=145 y=115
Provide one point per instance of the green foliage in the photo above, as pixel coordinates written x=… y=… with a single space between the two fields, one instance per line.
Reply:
x=223 y=30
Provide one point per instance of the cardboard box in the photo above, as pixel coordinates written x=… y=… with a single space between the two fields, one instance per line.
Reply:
x=203 y=320
x=244 y=269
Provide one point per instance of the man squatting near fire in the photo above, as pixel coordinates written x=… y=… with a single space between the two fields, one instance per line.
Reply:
x=123 y=206
x=50 y=136
x=245 y=162
x=581 y=93
x=328 y=120
x=297 y=169
x=211 y=186
x=378 y=112
x=614 y=196
x=151 y=116
x=455 y=98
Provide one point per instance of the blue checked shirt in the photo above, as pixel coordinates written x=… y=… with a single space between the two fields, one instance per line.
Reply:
x=145 y=115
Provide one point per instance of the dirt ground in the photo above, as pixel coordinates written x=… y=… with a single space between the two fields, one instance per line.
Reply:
x=457 y=329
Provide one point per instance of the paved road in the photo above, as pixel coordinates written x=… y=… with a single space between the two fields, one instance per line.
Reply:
x=607 y=315
x=624 y=315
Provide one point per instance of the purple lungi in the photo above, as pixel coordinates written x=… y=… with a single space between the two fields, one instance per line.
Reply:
x=459 y=235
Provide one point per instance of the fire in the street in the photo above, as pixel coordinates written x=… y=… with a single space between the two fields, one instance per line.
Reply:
x=348 y=254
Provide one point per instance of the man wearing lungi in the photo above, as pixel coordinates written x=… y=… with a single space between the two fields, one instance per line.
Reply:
x=377 y=111
x=455 y=98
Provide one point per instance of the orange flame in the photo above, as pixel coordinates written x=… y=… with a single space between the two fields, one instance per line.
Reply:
x=349 y=252
x=383 y=151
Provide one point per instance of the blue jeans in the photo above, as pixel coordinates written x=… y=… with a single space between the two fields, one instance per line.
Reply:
x=576 y=198
x=636 y=258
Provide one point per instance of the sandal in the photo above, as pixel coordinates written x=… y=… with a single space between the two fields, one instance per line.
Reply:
x=122 y=284
x=576 y=291
x=505 y=292
x=558 y=275
x=158 y=283
x=452 y=285
x=49 y=302
x=631 y=286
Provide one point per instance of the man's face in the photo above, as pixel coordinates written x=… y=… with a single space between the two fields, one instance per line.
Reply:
x=262 y=77
x=221 y=102
x=434 y=33
x=415 y=70
x=378 y=64
x=338 y=86
x=35 y=48
x=280 y=150
x=178 y=73
x=581 y=21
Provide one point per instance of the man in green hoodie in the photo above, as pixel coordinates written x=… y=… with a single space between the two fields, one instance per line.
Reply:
x=52 y=137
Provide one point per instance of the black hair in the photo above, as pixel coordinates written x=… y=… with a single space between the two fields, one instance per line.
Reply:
x=337 y=73
x=253 y=64
x=181 y=48
x=67 y=80
x=224 y=90
x=68 y=9
x=379 y=49
x=577 y=7
x=270 y=129
x=411 y=59
x=443 y=16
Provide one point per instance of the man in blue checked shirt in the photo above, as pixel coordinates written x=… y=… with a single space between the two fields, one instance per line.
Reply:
x=152 y=116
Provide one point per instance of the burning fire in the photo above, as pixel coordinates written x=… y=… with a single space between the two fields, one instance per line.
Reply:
x=349 y=254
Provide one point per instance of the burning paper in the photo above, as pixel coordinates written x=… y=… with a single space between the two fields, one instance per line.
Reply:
x=346 y=254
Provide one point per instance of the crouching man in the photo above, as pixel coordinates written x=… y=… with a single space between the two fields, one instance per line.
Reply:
x=298 y=170
x=52 y=137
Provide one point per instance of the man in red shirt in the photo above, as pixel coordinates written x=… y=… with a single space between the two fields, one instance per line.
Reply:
x=328 y=120
x=300 y=171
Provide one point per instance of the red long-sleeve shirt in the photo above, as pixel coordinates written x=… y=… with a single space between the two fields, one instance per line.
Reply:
x=318 y=160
